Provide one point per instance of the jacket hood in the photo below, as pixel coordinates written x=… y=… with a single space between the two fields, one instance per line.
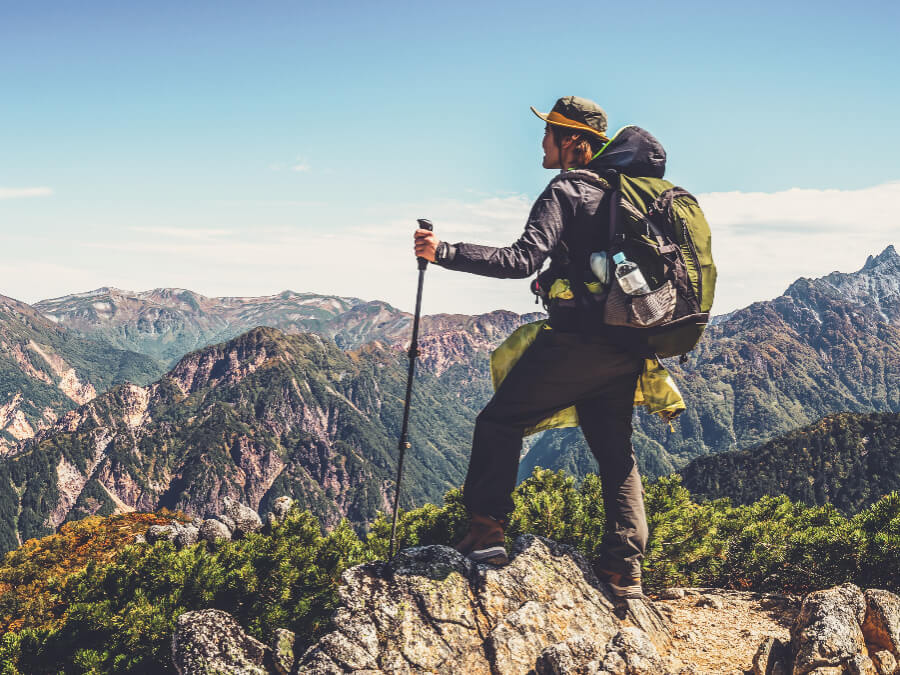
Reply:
x=632 y=151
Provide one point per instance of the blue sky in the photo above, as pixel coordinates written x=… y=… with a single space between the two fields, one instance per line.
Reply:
x=241 y=149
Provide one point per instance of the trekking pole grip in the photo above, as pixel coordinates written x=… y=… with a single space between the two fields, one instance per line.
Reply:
x=424 y=224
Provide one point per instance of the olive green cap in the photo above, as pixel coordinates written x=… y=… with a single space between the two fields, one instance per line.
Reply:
x=573 y=112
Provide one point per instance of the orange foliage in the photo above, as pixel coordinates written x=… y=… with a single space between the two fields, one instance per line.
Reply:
x=31 y=575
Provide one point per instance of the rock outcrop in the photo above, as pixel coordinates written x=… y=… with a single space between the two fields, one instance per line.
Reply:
x=431 y=610
x=838 y=630
x=211 y=641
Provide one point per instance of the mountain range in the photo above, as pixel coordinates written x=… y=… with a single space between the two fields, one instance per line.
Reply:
x=311 y=406
x=263 y=415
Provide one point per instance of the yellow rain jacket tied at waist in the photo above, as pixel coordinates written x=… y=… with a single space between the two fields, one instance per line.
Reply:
x=655 y=387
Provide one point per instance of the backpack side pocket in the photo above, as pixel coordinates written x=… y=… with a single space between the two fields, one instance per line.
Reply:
x=641 y=311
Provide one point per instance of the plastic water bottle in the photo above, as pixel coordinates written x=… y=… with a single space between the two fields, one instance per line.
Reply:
x=629 y=276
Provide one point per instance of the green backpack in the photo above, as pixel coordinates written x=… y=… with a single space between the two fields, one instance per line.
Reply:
x=661 y=228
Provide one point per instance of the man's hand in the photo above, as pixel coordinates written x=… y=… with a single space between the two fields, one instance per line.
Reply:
x=426 y=244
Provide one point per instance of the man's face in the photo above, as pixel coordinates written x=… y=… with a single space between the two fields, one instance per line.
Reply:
x=551 y=150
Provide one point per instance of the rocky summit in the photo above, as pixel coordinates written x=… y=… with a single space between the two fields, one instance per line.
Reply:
x=429 y=610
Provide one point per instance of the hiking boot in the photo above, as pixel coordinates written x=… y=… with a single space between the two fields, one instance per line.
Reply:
x=621 y=585
x=484 y=542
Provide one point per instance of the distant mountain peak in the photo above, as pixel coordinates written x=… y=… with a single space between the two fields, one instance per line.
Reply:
x=875 y=286
x=888 y=256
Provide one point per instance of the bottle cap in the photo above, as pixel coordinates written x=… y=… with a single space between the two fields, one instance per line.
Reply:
x=619 y=258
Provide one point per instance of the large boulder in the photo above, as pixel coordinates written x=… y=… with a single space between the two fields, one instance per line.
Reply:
x=245 y=519
x=828 y=631
x=281 y=507
x=430 y=609
x=211 y=641
x=882 y=624
x=213 y=530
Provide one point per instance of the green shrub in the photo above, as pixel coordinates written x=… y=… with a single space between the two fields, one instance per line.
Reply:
x=118 y=616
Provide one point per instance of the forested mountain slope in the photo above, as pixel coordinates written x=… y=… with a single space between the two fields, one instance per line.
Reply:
x=261 y=416
x=849 y=460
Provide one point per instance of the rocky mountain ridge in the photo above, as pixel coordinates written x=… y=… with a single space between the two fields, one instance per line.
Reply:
x=876 y=285
x=166 y=323
x=264 y=414
x=46 y=370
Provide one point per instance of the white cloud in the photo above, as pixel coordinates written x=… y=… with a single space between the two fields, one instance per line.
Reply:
x=762 y=242
x=20 y=193
x=301 y=167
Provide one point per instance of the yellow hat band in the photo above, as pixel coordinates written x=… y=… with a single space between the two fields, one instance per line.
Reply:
x=559 y=120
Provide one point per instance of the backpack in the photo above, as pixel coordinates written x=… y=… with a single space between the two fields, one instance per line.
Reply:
x=661 y=228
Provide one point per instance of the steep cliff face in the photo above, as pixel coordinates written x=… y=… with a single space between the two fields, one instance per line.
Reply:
x=260 y=416
x=45 y=370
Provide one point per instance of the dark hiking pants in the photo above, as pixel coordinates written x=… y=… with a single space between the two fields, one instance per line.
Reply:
x=558 y=370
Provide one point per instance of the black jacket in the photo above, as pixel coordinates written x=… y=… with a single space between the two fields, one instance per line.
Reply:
x=569 y=218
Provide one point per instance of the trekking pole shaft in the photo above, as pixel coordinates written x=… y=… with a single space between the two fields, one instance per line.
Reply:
x=413 y=353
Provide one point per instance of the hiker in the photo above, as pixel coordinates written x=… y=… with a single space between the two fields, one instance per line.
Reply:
x=573 y=360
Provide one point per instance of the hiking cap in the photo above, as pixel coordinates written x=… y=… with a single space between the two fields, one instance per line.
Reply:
x=573 y=112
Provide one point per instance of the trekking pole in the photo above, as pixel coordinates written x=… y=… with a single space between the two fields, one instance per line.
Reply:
x=413 y=353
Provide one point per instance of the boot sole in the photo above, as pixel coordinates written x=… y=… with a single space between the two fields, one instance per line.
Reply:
x=627 y=592
x=496 y=555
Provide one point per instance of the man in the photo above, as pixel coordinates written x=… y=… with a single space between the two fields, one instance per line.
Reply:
x=577 y=361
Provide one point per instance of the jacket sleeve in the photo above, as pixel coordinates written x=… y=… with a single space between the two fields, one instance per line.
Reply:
x=523 y=258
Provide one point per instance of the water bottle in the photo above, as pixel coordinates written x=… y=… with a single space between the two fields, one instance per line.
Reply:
x=629 y=276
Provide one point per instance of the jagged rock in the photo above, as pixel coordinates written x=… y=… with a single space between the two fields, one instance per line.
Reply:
x=430 y=609
x=213 y=530
x=281 y=507
x=140 y=539
x=671 y=594
x=771 y=658
x=227 y=520
x=828 y=630
x=710 y=601
x=186 y=536
x=211 y=641
x=882 y=624
x=246 y=520
x=636 y=651
x=885 y=662
x=270 y=521
x=576 y=656
x=283 y=651
x=861 y=664
x=157 y=533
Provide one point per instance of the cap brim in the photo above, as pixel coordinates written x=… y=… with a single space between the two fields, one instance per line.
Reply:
x=541 y=115
x=561 y=121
